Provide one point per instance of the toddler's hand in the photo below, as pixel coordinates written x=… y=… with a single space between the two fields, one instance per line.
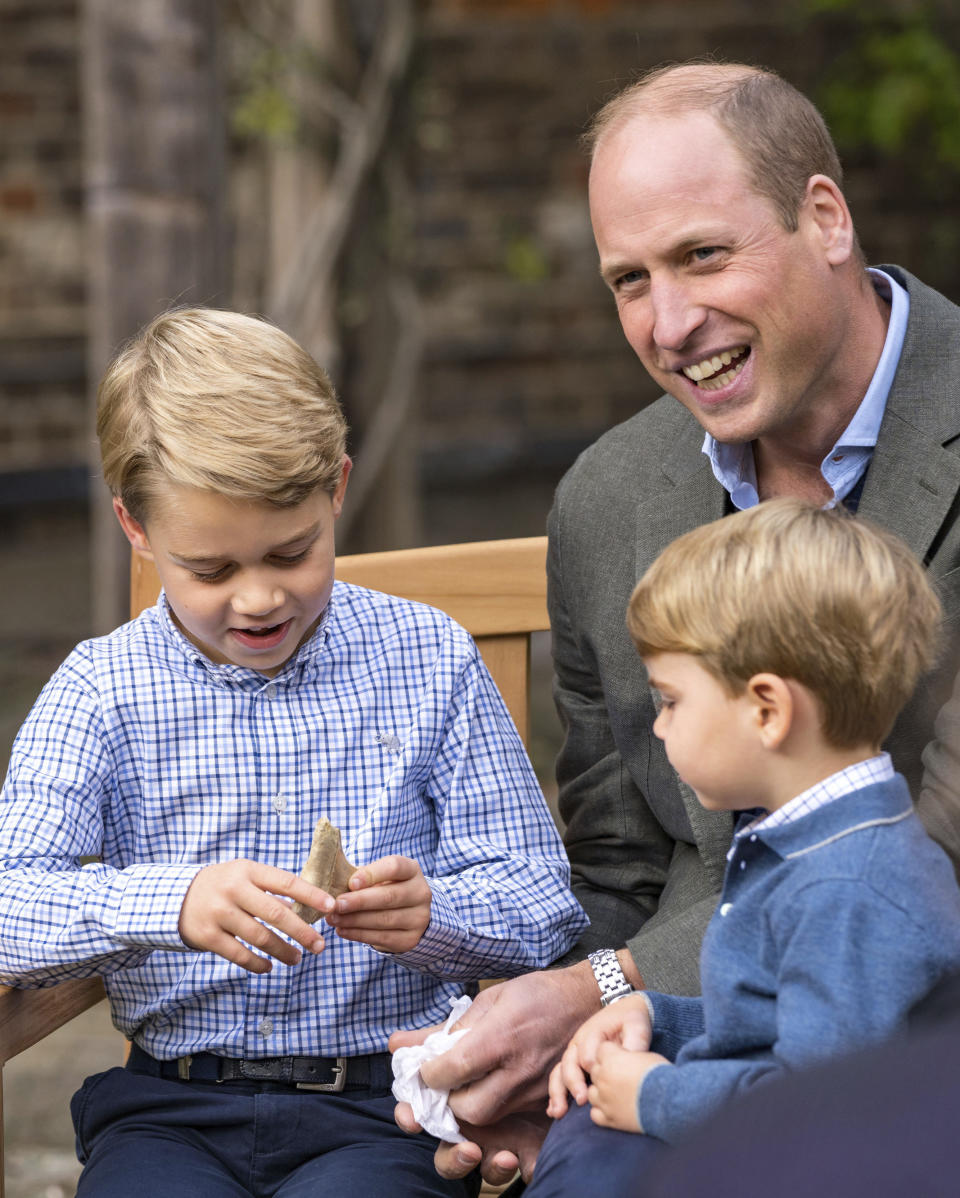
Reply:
x=616 y=1078
x=387 y=906
x=233 y=902
x=625 y=1023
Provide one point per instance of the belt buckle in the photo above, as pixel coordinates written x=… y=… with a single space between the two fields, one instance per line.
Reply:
x=334 y=1087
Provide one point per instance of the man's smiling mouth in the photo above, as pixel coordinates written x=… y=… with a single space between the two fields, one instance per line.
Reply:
x=713 y=373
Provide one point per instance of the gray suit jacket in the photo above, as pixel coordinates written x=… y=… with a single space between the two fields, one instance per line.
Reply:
x=647 y=859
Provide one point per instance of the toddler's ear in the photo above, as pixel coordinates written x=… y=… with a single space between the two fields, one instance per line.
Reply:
x=772 y=708
x=135 y=532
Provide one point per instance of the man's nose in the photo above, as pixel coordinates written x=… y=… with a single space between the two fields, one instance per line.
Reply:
x=676 y=314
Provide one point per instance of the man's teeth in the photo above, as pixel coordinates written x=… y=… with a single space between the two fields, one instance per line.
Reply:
x=706 y=375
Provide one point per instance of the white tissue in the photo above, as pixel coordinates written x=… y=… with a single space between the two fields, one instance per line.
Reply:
x=430 y=1107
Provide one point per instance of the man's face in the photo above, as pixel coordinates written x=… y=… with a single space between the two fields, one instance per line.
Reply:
x=247 y=582
x=737 y=318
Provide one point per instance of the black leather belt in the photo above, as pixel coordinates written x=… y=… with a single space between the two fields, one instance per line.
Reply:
x=325 y=1074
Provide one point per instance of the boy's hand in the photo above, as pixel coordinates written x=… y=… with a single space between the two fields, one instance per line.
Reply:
x=616 y=1078
x=625 y=1023
x=234 y=901
x=387 y=907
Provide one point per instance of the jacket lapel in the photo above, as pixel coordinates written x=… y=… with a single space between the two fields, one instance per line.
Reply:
x=914 y=479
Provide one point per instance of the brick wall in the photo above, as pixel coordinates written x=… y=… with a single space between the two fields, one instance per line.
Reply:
x=524 y=361
x=41 y=238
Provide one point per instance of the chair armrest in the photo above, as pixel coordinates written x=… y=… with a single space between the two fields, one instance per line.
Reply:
x=26 y=1016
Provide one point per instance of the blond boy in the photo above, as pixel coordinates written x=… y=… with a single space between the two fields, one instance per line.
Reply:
x=192 y=751
x=782 y=641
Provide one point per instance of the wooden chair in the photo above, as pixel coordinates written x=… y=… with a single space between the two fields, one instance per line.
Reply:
x=495 y=589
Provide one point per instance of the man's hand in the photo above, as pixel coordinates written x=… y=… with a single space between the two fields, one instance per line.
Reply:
x=387 y=907
x=518 y=1031
x=230 y=905
x=616 y=1078
x=498 y=1150
x=625 y=1023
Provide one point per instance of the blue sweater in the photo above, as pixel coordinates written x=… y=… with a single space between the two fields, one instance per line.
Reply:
x=829 y=929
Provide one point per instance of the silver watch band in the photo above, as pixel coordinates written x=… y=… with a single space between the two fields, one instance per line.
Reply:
x=610 y=977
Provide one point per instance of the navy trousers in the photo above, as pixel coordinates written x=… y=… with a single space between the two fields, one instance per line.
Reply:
x=578 y=1157
x=150 y=1136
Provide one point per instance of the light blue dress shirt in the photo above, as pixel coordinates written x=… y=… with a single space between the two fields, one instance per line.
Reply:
x=847 y=461
x=142 y=752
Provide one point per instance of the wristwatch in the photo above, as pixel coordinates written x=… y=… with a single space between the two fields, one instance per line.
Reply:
x=610 y=977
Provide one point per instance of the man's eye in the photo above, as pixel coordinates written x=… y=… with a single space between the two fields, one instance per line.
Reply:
x=631 y=277
x=704 y=252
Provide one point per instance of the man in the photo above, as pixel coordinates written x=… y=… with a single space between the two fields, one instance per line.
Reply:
x=789 y=369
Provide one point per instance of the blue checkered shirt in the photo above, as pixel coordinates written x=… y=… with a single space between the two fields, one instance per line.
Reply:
x=144 y=754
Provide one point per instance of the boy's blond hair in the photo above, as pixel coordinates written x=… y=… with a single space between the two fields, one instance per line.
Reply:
x=833 y=602
x=222 y=402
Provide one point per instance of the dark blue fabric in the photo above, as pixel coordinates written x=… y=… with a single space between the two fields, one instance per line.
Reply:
x=580 y=1158
x=881 y=1123
x=141 y=1136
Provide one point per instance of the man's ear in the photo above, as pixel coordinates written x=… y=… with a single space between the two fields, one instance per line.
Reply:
x=832 y=222
x=341 y=490
x=136 y=534
x=771 y=708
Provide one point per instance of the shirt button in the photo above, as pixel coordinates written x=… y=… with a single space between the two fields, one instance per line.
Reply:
x=753 y=838
x=743 y=865
x=837 y=457
x=725 y=909
x=271 y=691
x=280 y=804
x=266 y=1028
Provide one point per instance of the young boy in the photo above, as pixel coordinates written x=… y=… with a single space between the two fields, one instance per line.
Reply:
x=782 y=641
x=192 y=751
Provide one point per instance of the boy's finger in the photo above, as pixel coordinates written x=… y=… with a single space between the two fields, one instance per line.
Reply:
x=227 y=946
x=572 y=1075
x=265 y=910
x=384 y=869
x=556 y=1093
x=378 y=919
x=253 y=931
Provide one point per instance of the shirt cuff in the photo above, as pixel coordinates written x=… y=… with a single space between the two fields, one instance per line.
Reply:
x=148 y=911
x=646 y=1078
x=437 y=949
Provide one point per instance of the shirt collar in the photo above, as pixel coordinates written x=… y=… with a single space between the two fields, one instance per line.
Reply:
x=843 y=782
x=733 y=465
x=233 y=675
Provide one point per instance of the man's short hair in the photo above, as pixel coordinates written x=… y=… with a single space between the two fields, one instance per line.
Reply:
x=222 y=402
x=828 y=600
x=778 y=132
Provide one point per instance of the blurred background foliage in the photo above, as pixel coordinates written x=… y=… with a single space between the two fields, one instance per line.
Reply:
x=893 y=90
